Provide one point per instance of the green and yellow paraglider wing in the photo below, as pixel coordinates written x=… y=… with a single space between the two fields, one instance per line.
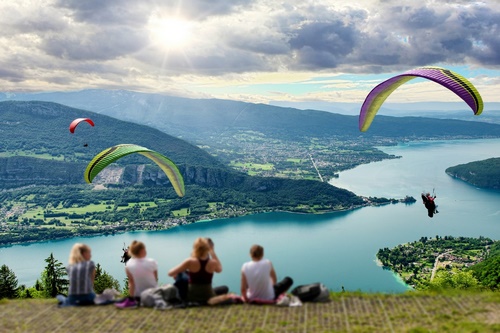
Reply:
x=110 y=155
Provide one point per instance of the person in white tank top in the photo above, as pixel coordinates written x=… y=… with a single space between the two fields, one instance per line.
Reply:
x=258 y=278
x=142 y=272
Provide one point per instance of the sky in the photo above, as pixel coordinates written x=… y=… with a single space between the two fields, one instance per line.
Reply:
x=249 y=50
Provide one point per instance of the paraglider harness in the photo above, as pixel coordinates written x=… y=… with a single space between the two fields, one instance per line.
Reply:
x=428 y=201
x=125 y=256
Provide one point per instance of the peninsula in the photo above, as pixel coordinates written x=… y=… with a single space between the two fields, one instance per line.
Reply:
x=418 y=262
x=485 y=173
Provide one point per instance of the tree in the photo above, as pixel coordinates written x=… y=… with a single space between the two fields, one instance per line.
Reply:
x=454 y=279
x=8 y=283
x=104 y=280
x=53 y=277
x=488 y=272
x=125 y=290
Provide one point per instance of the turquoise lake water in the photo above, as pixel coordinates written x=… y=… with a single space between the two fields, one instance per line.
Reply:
x=337 y=249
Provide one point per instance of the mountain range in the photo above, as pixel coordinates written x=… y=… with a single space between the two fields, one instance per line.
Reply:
x=201 y=120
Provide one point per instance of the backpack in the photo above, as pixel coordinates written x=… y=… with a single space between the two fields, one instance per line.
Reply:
x=154 y=297
x=314 y=292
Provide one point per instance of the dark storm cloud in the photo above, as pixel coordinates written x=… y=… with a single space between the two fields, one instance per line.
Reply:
x=11 y=75
x=398 y=36
x=417 y=18
x=322 y=44
x=108 y=12
x=107 y=44
x=42 y=25
x=135 y=12
x=258 y=40
x=482 y=27
x=200 y=9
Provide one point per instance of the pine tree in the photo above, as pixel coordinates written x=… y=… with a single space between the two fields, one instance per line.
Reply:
x=8 y=283
x=104 y=280
x=53 y=278
x=125 y=290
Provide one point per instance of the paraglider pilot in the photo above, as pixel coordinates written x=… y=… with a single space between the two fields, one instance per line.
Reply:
x=429 y=203
x=126 y=256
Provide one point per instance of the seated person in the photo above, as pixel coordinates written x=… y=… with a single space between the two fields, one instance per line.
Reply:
x=81 y=274
x=200 y=268
x=142 y=274
x=258 y=279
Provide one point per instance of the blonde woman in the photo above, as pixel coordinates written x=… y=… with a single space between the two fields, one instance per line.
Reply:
x=142 y=274
x=200 y=268
x=81 y=275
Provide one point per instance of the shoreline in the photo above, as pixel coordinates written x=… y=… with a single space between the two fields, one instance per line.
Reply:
x=112 y=232
x=396 y=276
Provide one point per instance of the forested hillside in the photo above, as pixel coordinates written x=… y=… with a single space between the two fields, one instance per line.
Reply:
x=38 y=149
x=41 y=129
x=485 y=173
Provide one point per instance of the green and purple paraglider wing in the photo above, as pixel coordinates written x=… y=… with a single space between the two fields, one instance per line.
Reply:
x=110 y=155
x=448 y=79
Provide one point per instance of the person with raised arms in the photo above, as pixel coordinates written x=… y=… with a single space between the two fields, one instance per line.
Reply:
x=200 y=268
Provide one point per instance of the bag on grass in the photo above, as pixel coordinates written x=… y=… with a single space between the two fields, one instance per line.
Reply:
x=160 y=296
x=314 y=292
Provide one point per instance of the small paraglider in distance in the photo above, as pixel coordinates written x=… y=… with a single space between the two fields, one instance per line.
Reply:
x=430 y=204
x=77 y=121
x=448 y=79
x=125 y=256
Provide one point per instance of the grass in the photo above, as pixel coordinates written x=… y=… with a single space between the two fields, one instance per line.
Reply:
x=253 y=166
x=36 y=212
x=44 y=156
x=143 y=205
x=181 y=212
x=347 y=312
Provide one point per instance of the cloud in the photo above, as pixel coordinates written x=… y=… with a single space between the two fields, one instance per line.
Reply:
x=107 y=12
x=133 y=12
x=94 y=45
x=106 y=42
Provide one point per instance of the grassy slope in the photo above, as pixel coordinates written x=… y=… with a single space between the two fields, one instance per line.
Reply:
x=349 y=312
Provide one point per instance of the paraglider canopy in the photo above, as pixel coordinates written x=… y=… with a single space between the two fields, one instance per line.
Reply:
x=110 y=155
x=77 y=121
x=448 y=79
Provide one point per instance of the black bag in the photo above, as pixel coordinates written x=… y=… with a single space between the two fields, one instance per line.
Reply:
x=314 y=292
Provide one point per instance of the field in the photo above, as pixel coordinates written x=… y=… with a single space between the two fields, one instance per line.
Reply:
x=37 y=212
x=349 y=312
x=30 y=154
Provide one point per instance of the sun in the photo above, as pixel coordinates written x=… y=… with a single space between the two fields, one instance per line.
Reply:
x=170 y=33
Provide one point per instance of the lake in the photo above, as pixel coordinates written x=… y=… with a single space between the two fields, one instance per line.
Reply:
x=337 y=249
